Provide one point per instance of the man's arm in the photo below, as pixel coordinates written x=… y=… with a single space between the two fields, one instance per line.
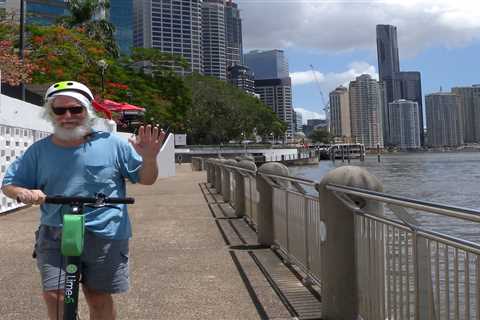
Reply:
x=148 y=172
x=24 y=195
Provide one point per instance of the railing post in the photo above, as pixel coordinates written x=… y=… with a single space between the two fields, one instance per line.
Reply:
x=423 y=272
x=265 y=203
x=210 y=171
x=226 y=179
x=218 y=176
x=340 y=294
x=240 y=201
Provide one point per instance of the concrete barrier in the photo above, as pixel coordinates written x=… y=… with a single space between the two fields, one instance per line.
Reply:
x=265 y=204
x=338 y=268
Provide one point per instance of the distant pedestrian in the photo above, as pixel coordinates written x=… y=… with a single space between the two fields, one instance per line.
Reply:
x=179 y=159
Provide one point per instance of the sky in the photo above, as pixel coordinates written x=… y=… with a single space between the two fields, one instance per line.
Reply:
x=329 y=43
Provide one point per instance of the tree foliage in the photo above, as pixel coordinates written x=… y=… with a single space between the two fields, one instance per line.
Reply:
x=220 y=112
x=320 y=135
x=14 y=70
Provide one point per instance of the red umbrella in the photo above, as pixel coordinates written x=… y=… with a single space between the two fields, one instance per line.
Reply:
x=120 y=106
x=100 y=108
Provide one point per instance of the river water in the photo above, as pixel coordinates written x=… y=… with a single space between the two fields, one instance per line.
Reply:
x=447 y=178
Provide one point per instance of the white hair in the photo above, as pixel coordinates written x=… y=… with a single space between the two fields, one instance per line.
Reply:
x=70 y=134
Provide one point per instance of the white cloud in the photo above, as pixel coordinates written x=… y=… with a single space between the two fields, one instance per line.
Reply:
x=330 y=81
x=343 y=25
x=307 y=114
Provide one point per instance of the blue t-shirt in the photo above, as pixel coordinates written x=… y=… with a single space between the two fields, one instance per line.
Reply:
x=100 y=165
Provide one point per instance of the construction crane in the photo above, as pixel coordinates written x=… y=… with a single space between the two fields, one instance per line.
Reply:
x=325 y=104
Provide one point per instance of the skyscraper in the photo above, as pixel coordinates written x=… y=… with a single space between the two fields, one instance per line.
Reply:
x=241 y=77
x=270 y=64
x=172 y=26
x=121 y=16
x=444 y=120
x=408 y=86
x=277 y=94
x=340 y=113
x=398 y=84
x=470 y=111
x=298 y=121
x=233 y=34
x=404 y=128
x=273 y=83
x=387 y=54
x=366 y=106
x=213 y=39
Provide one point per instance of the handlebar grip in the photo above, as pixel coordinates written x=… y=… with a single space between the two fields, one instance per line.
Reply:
x=120 y=200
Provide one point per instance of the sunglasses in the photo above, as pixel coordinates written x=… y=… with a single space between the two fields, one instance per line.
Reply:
x=73 y=110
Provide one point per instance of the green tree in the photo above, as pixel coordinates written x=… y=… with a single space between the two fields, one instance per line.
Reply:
x=320 y=135
x=220 y=112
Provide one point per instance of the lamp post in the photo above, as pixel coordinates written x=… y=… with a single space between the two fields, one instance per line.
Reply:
x=21 y=45
x=103 y=65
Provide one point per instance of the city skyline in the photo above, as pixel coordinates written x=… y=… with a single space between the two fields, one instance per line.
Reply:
x=338 y=38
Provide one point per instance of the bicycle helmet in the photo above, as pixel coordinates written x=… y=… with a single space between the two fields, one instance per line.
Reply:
x=71 y=86
x=73 y=89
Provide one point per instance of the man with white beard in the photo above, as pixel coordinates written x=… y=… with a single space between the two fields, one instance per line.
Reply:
x=77 y=160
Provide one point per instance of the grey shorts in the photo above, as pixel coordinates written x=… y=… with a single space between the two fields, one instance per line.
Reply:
x=104 y=262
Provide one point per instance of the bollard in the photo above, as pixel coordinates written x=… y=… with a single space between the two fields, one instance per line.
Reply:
x=218 y=176
x=338 y=272
x=210 y=171
x=226 y=179
x=265 y=204
x=240 y=187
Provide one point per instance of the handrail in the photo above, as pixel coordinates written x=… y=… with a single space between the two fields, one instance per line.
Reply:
x=451 y=211
x=276 y=176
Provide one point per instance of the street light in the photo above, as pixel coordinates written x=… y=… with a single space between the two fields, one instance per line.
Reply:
x=103 y=65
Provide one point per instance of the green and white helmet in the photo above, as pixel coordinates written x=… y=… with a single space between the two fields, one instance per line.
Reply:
x=71 y=86
x=73 y=89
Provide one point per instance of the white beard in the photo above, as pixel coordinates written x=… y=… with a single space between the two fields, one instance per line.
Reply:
x=71 y=134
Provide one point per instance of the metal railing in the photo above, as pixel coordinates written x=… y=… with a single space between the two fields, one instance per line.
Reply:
x=403 y=270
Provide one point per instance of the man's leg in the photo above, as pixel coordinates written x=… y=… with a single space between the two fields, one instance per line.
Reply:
x=100 y=304
x=54 y=300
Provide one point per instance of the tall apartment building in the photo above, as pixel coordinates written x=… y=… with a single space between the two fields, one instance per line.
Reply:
x=277 y=94
x=404 y=124
x=233 y=34
x=366 y=106
x=298 y=121
x=172 y=26
x=213 y=39
x=241 y=77
x=271 y=64
x=340 y=113
x=444 y=119
x=408 y=86
x=272 y=83
x=470 y=111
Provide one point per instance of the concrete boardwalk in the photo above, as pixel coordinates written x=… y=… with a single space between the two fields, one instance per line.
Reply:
x=189 y=260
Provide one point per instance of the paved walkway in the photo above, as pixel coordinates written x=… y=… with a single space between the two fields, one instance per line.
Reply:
x=189 y=260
